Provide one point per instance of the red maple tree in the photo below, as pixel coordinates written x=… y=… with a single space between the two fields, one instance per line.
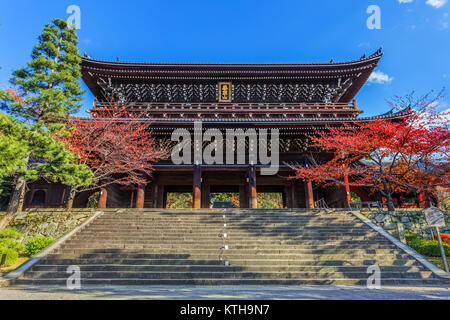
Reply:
x=425 y=165
x=118 y=148
x=386 y=154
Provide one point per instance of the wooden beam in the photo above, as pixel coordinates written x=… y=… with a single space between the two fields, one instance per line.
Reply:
x=197 y=187
x=140 y=196
x=103 y=198
x=347 y=188
x=252 y=187
x=309 y=196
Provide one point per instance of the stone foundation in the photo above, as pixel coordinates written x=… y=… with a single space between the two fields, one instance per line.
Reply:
x=413 y=221
x=49 y=222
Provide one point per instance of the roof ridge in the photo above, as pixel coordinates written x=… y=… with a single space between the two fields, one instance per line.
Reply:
x=377 y=55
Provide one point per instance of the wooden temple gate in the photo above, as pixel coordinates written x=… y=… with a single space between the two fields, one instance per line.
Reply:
x=295 y=99
x=202 y=181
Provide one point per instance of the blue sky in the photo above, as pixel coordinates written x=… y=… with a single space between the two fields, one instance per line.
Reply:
x=415 y=35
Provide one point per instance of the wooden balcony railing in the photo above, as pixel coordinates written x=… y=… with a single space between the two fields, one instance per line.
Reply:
x=229 y=107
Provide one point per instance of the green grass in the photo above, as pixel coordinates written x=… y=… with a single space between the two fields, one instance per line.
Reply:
x=426 y=247
x=429 y=249
x=437 y=261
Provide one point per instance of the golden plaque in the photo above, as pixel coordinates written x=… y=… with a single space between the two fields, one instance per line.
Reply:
x=224 y=91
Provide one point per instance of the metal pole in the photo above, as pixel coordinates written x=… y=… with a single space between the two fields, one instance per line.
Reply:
x=442 y=250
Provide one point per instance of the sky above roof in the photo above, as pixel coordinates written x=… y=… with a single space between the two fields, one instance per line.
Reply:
x=414 y=34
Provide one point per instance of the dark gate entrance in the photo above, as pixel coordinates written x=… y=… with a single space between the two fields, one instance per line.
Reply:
x=271 y=197
x=178 y=197
x=224 y=197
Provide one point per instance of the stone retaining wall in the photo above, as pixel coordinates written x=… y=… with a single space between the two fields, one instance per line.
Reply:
x=49 y=222
x=413 y=221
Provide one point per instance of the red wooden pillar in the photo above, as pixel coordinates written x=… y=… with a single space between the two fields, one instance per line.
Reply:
x=347 y=188
x=309 y=196
x=140 y=196
x=197 y=192
x=103 y=198
x=422 y=199
x=252 y=187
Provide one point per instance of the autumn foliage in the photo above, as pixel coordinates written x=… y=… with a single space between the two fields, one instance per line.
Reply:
x=444 y=236
x=117 y=148
x=405 y=152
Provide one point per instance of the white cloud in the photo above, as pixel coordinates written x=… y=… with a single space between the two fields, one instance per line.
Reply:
x=380 y=77
x=443 y=22
x=436 y=3
x=442 y=105
x=364 y=44
x=405 y=1
x=445 y=116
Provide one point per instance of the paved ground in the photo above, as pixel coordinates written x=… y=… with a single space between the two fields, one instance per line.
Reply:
x=226 y=293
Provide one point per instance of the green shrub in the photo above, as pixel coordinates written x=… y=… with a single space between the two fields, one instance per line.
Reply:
x=9 y=243
x=10 y=232
x=11 y=256
x=93 y=200
x=37 y=244
x=426 y=247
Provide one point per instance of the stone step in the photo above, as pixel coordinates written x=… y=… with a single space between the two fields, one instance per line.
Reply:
x=243 y=220
x=202 y=282
x=186 y=261
x=222 y=268
x=218 y=241
x=235 y=246
x=87 y=254
x=178 y=228
x=242 y=234
x=206 y=220
x=180 y=247
x=229 y=217
x=233 y=226
x=196 y=237
x=246 y=242
x=231 y=251
x=236 y=227
x=214 y=212
x=224 y=275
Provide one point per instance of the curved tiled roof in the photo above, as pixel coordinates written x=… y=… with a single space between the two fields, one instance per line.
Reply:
x=135 y=72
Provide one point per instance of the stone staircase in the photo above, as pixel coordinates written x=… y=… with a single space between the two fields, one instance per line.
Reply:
x=186 y=247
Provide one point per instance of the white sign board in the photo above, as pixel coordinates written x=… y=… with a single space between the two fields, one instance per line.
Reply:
x=434 y=217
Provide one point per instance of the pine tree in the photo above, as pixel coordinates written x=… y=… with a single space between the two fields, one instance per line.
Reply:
x=43 y=96
x=50 y=81
x=13 y=145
